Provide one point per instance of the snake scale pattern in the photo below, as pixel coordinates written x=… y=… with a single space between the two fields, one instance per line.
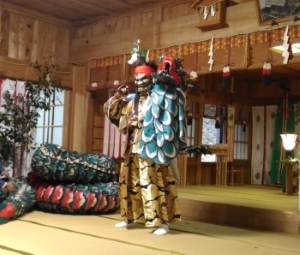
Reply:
x=63 y=181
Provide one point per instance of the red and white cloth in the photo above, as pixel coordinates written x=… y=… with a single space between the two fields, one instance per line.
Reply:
x=267 y=73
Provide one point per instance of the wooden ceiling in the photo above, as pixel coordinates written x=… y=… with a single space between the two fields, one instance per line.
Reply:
x=80 y=12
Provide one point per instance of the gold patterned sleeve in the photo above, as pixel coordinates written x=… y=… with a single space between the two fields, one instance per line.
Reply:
x=113 y=109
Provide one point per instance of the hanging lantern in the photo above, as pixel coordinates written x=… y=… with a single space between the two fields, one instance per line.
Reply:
x=116 y=86
x=226 y=76
x=217 y=124
x=194 y=80
x=267 y=73
x=189 y=115
x=189 y=119
x=92 y=88
x=244 y=126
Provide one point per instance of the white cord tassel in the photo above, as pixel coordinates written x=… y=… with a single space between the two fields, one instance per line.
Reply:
x=205 y=12
x=213 y=10
x=286 y=45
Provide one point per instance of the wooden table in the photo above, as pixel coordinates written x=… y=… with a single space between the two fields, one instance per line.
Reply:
x=221 y=151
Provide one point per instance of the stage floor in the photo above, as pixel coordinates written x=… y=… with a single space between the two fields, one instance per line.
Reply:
x=264 y=197
x=248 y=206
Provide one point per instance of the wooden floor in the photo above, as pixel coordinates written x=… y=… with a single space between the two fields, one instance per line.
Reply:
x=259 y=207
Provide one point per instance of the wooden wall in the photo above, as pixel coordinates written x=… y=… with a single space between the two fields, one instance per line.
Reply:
x=28 y=37
x=166 y=25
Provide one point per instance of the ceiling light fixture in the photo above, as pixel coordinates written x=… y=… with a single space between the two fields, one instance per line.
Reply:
x=295 y=47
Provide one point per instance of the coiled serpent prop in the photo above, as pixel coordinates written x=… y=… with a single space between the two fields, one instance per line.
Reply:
x=63 y=181
x=55 y=163
x=20 y=201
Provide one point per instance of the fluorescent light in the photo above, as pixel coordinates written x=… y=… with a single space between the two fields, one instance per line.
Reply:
x=279 y=49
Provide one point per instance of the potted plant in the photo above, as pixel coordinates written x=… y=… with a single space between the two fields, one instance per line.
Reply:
x=19 y=115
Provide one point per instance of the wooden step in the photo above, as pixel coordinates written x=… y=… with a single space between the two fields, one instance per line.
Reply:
x=247 y=207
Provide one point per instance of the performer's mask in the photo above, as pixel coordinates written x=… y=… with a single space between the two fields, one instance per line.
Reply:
x=143 y=78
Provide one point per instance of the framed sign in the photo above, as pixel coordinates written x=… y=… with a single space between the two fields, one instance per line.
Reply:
x=279 y=10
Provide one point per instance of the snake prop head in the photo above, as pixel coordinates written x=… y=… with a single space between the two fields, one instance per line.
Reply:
x=168 y=66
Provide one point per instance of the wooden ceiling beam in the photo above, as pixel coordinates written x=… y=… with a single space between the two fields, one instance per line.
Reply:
x=134 y=9
x=42 y=16
x=130 y=5
x=122 y=3
x=83 y=15
x=95 y=7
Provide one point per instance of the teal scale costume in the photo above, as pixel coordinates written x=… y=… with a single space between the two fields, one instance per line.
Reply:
x=154 y=122
x=164 y=126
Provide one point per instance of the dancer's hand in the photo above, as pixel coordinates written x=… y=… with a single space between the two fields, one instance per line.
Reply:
x=121 y=92
x=5 y=173
x=9 y=186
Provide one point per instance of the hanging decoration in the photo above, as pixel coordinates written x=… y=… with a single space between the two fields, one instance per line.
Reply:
x=226 y=76
x=267 y=73
x=241 y=41
x=207 y=10
x=193 y=77
x=193 y=80
x=211 y=54
x=244 y=126
x=217 y=116
x=93 y=90
x=286 y=46
x=217 y=124
x=189 y=115
x=116 y=86
x=107 y=73
x=244 y=116
x=267 y=67
x=212 y=14
x=226 y=81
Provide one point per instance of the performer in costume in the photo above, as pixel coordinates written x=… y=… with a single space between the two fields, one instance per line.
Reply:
x=153 y=120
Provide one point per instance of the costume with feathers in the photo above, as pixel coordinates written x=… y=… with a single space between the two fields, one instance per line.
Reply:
x=155 y=126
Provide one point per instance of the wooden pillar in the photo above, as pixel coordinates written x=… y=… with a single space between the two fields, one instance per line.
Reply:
x=80 y=108
x=182 y=165
x=289 y=179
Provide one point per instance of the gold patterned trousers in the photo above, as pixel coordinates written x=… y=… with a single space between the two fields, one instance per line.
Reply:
x=147 y=192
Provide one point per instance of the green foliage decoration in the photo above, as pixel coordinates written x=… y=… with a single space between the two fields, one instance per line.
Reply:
x=198 y=149
x=138 y=50
x=20 y=115
x=289 y=160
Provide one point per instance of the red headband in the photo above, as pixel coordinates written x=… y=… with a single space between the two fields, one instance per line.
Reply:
x=143 y=69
